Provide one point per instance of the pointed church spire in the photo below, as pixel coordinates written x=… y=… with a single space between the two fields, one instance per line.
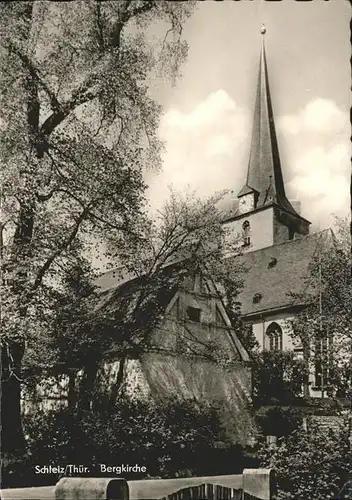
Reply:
x=264 y=169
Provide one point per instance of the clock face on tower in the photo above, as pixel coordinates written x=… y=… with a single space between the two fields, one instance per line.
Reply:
x=246 y=203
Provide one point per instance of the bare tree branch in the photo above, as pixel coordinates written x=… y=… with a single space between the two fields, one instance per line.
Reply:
x=117 y=227
x=74 y=230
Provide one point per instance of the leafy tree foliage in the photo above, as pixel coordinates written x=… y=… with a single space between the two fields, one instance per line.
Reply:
x=245 y=334
x=78 y=126
x=324 y=326
x=183 y=243
x=169 y=440
x=278 y=377
x=311 y=464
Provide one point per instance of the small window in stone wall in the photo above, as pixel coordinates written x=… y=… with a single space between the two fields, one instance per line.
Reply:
x=246 y=233
x=194 y=314
x=257 y=297
x=272 y=262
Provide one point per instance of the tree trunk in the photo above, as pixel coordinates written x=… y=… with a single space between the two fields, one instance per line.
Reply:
x=72 y=393
x=86 y=389
x=13 y=347
x=12 y=437
x=118 y=381
x=306 y=359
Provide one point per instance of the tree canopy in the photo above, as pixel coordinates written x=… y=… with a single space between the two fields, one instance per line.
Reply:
x=184 y=242
x=78 y=127
x=324 y=326
x=310 y=464
x=78 y=130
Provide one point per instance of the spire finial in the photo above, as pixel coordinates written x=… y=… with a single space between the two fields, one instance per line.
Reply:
x=263 y=29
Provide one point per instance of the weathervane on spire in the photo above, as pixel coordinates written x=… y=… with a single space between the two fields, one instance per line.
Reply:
x=263 y=29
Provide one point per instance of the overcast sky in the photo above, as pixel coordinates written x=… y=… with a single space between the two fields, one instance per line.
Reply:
x=207 y=117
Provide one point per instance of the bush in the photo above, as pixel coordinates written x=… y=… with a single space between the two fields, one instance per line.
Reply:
x=278 y=421
x=309 y=465
x=171 y=440
x=277 y=377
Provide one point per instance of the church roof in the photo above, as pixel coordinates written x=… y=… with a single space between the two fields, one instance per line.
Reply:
x=113 y=278
x=264 y=173
x=272 y=274
x=275 y=272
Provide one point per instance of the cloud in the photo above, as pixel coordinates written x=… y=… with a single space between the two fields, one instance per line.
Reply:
x=207 y=150
x=318 y=153
x=319 y=116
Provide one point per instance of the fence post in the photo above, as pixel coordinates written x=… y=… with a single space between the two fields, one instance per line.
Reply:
x=259 y=483
x=91 y=488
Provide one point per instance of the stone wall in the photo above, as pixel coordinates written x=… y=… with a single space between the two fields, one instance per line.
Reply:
x=203 y=381
x=161 y=376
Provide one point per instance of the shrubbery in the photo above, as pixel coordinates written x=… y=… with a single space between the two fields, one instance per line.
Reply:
x=310 y=465
x=278 y=377
x=175 y=439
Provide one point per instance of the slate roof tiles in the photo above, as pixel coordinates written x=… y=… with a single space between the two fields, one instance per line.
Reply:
x=276 y=272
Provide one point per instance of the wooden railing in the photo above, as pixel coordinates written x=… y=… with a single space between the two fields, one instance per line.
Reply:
x=252 y=484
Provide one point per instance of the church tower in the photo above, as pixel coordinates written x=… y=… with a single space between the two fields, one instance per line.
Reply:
x=265 y=216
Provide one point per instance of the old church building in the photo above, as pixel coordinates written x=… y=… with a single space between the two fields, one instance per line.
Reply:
x=275 y=237
x=276 y=249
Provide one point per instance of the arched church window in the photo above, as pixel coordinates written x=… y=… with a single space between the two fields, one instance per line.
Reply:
x=246 y=236
x=274 y=335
